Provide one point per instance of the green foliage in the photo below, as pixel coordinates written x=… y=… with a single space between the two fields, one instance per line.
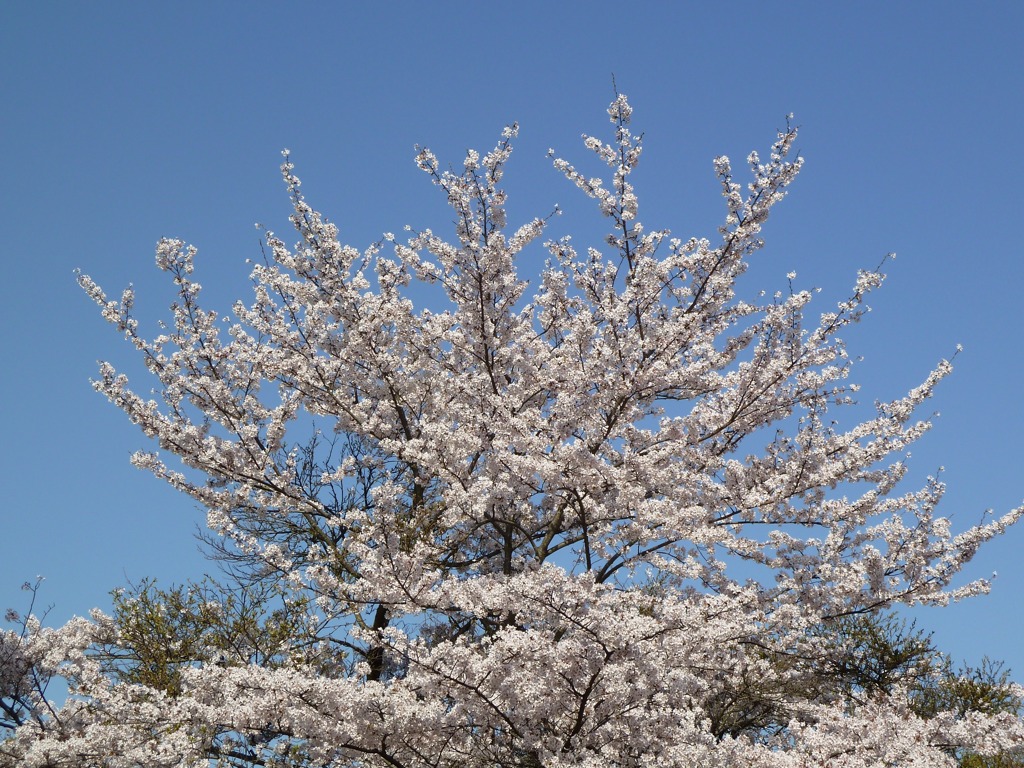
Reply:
x=882 y=652
x=862 y=657
x=1004 y=760
x=875 y=653
x=160 y=632
x=986 y=689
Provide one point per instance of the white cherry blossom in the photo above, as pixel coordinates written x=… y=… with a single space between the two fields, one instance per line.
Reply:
x=557 y=521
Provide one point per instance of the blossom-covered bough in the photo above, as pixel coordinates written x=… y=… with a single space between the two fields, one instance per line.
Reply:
x=606 y=518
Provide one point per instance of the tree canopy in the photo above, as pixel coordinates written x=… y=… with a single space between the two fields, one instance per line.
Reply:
x=607 y=514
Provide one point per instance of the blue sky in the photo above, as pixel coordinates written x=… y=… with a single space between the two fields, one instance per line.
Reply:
x=126 y=122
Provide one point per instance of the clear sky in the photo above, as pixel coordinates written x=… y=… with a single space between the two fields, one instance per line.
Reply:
x=125 y=122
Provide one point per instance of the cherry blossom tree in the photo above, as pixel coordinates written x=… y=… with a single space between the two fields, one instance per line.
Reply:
x=609 y=517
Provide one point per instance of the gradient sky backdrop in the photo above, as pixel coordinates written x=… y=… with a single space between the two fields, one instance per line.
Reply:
x=125 y=122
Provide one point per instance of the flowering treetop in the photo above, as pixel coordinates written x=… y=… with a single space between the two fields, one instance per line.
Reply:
x=556 y=521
